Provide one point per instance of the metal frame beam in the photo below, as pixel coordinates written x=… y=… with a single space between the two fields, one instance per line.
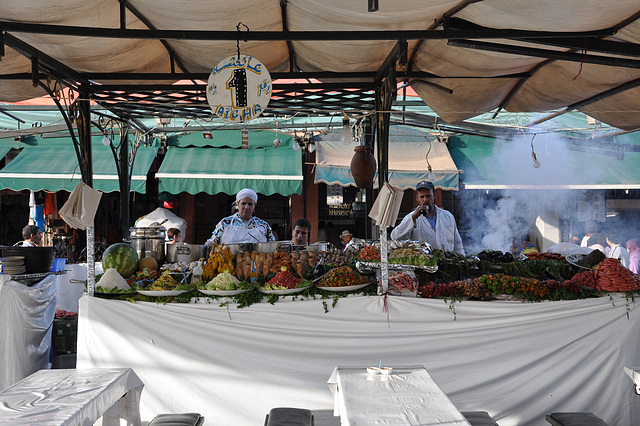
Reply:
x=484 y=33
x=544 y=53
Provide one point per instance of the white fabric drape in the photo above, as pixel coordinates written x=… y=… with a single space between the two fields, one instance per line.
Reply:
x=26 y=315
x=517 y=361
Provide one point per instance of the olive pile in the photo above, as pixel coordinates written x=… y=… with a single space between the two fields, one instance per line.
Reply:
x=495 y=256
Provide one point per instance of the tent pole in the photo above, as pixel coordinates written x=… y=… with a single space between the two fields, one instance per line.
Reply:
x=385 y=96
x=85 y=160
x=124 y=180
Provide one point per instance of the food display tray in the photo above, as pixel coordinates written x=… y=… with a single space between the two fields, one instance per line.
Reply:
x=31 y=279
x=161 y=293
x=378 y=265
x=284 y=291
x=345 y=288
x=224 y=292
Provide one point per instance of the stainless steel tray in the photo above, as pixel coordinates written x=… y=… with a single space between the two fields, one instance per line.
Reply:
x=377 y=265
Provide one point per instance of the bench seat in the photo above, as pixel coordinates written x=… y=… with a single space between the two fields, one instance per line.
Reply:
x=574 y=419
x=182 y=419
x=283 y=416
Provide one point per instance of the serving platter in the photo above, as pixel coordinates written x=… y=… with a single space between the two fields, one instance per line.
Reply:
x=161 y=293
x=283 y=292
x=378 y=265
x=113 y=295
x=574 y=258
x=345 y=288
x=224 y=292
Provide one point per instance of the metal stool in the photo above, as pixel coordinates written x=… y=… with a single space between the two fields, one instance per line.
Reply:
x=184 y=419
x=283 y=416
x=574 y=419
x=479 y=418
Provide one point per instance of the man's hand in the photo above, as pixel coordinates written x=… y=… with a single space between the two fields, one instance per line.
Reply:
x=421 y=209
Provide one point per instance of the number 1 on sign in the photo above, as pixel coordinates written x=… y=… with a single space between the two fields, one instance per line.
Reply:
x=238 y=81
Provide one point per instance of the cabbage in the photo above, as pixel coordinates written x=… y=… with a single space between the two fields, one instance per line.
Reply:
x=223 y=281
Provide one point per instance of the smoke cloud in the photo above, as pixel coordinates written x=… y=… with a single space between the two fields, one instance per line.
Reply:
x=490 y=219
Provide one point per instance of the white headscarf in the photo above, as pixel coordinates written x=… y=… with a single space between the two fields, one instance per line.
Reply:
x=247 y=193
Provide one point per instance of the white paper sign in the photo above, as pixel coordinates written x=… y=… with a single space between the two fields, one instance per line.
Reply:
x=80 y=209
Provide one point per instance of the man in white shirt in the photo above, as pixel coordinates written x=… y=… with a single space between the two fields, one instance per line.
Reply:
x=32 y=237
x=429 y=223
x=617 y=250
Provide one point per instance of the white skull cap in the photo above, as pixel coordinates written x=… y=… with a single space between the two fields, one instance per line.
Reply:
x=247 y=193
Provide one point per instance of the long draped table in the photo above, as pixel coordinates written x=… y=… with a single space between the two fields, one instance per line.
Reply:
x=517 y=361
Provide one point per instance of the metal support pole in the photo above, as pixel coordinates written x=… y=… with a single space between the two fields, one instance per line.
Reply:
x=83 y=121
x=125 y=183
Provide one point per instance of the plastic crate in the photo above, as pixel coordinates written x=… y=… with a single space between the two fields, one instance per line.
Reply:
x=64 y=361
x=65 y=336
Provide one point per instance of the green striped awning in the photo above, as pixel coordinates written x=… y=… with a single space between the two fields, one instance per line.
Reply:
x=227 y=170
x=6 y=144
x=228 y=138
x=51 y=164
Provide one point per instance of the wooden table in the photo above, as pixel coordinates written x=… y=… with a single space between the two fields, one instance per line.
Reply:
x=73 y=397
x=407 y=396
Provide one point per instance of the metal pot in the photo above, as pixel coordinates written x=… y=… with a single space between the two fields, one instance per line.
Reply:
x=149 y=242
x=320 y=246
x=183 y=252
x=272 y=246
x=239 y=248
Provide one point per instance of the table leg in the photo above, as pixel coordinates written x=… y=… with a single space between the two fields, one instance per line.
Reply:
x=127 y=408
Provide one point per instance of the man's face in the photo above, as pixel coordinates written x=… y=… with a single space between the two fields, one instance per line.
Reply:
x=346 y=238
x=246 y=206
x=300 y=235
x=426 y=196
x=36 y=238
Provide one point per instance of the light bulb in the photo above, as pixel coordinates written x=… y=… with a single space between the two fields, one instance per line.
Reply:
x=431 y=176
x=345 y=136
x=106 y=141
x=277 y=142
x=536 y=163
x=296 y=147
x=312 y=147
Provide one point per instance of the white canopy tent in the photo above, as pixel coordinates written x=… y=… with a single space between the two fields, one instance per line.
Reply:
x=462 y=58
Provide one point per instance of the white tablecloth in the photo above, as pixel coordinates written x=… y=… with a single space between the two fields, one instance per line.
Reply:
x=517 y=361
x=72 y=398
x=405 y=397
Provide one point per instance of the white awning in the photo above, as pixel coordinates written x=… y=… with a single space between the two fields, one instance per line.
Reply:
x=409 y=148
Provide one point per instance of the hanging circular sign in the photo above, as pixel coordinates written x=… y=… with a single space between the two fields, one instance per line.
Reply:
x=239 y=88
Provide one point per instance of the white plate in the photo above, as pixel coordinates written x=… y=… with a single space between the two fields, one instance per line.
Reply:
x=160 y=293
x=223 y=292
x=345 y=288
x=283 y=292
x=14 y=258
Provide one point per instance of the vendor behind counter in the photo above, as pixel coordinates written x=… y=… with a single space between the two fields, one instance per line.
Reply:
x=242 y=226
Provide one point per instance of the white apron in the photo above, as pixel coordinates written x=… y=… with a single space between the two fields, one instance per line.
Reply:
x=238 y=235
